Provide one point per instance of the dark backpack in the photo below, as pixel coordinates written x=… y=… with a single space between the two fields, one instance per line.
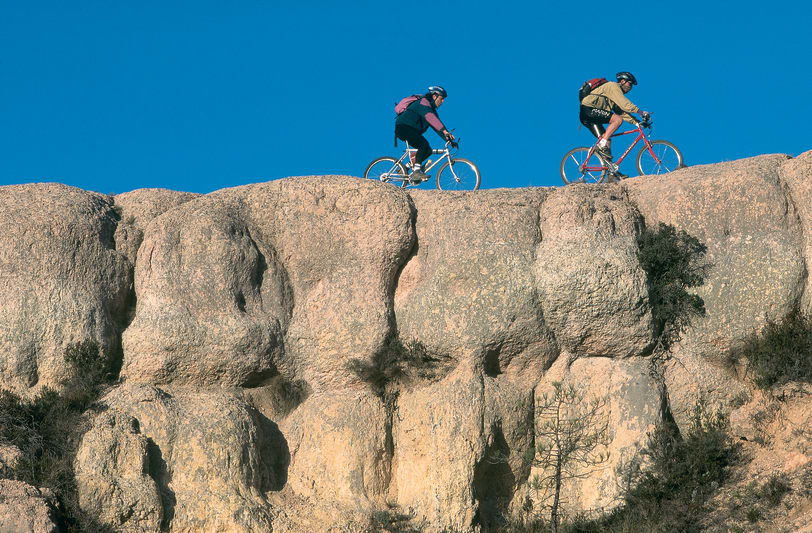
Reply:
x=401 y=106
x=589 y=86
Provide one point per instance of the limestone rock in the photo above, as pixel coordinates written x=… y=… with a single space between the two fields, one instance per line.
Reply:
x=210 y=455
x=61 y=281
x=113 y=475
x=592 y=289
x=741 y=211
x=137 y=209
x=217 y=280
x=469 y=289
x=26 y=509
x=339 y=449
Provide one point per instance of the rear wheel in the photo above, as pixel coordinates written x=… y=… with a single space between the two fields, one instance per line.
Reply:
x=575 y=168
x=459 y=175
x=384 y=168
x=666 y=158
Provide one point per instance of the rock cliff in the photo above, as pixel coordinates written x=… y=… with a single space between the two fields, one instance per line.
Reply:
x=233 y=321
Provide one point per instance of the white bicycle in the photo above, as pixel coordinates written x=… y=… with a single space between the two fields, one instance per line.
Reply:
x=456 y=173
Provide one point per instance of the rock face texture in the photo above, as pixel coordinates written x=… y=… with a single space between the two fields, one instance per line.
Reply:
x=24 y=508
x=61 y=281
x=237 y=323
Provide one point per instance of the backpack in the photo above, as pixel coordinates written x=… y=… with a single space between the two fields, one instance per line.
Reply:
x=406 y=102
x=589 y=86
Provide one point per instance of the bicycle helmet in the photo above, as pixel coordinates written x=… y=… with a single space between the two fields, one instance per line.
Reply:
x=626 y=76
x=436 y=89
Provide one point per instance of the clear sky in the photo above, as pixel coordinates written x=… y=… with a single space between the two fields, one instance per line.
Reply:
x=114 y=95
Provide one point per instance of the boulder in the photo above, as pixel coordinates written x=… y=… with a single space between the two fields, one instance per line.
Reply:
x=592 y=289
x=113 y=475
x=469 y=289
x=10 y=457
x=26 y=509
x=340 y=449
x=62 y=282
x=741 y=211
x=209 y=455
x=796 y=176
x=631 y=406
x=458 y=449
x=137 y=209
x=246 y=283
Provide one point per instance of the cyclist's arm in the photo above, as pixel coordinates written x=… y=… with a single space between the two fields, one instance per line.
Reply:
x=438 y=126
x=615 y=94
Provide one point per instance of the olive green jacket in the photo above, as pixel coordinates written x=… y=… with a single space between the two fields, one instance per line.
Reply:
x=610 y=97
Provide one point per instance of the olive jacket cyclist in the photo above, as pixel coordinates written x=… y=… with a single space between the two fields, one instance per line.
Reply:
x=609 y=97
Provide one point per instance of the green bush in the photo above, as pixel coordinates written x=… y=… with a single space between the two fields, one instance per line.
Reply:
x=671 y=495
x=781 y=353
x=397 y=363
x=754 y=502
x=673 y=262
x=46 y=429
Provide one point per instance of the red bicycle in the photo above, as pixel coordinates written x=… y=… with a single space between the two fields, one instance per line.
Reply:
x=585 y=165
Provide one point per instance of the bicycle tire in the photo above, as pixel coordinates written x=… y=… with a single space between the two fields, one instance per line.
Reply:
x=573 y=161
x=669 y=155
x=463 y=176
x=381 y=166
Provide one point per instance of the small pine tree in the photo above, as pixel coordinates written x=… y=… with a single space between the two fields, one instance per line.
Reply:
x=571 y=433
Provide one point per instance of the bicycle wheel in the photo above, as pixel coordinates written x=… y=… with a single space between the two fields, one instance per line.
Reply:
x=576 y=169
x=668 y=158
x=382 y=168
x=460 y=175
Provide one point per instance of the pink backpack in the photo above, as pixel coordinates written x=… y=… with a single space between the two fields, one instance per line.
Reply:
x=406 y=102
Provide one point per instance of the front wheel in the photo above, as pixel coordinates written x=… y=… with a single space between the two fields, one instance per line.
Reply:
x=384 y=168
x=575 y=168
x=459 y=175
x=663 y=157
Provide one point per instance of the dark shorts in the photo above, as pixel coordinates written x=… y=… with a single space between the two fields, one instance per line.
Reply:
x=415 y=140
x=593 y=115
x=594 y=118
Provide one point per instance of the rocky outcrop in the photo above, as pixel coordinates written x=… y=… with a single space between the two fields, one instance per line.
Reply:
x=746 y=215
x=239 y=320
x=25 y=509
x=179 y=460
x=62 y=282
x=136 y=210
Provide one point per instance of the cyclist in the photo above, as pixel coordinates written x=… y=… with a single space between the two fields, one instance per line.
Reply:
x=415 y=120
x=607 y=104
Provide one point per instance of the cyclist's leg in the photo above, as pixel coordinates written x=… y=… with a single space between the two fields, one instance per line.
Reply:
x=614 y=123
x=594 y=119
x=416 y=140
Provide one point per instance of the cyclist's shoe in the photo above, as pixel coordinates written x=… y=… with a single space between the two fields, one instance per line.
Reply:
x=418 y=176
x=615 y=176
x=605 y=152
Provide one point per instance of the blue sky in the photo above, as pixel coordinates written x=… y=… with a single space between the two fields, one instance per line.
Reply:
x=199 y=95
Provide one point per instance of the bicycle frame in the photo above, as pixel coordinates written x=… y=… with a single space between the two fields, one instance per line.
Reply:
x=395 y=176
x=640 y=135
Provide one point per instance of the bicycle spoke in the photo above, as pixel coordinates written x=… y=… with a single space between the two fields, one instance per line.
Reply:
x=578 y=166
